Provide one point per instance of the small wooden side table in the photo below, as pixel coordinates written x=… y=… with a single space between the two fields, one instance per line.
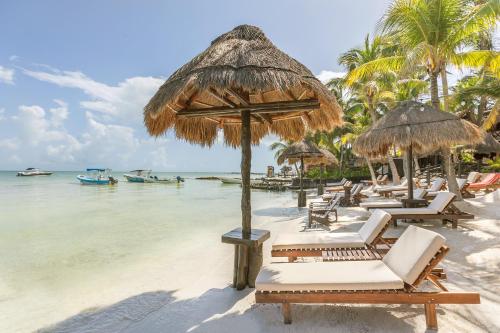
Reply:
x=243 y=246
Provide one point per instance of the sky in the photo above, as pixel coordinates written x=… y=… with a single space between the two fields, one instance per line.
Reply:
x=75 y=75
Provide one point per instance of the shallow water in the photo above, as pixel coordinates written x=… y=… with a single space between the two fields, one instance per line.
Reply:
x=59 y=238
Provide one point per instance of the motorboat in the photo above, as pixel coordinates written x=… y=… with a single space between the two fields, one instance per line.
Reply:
x=97 y=176
x=33 y=172
x=144 y=176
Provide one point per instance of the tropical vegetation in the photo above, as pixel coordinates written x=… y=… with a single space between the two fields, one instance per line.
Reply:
x=417 y=45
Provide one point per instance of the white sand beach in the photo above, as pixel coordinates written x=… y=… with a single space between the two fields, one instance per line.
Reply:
x=194 y=292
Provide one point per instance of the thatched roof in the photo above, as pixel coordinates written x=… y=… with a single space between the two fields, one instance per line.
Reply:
x=303 y=149
x=487 y=146
x=326 y=159
x=419 y=125
x=241 y=68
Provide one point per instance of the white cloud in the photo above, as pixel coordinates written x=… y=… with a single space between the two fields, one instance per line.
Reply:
x=9 y=144
x=6 y=75
x=13 y=57
x=325 y=76
x=59 y=114
x=124 y=101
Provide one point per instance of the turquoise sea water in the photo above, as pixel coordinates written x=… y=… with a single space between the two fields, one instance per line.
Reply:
x=58 y=236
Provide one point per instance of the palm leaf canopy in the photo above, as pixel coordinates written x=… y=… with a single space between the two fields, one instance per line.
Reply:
x=326 y=159
x=303 y=149
x=241 y=69
x=417 y=125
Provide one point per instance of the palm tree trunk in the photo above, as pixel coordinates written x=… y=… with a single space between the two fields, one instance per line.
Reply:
x=450 y=174
x=444 y=84
x=394 y=170
x=372 y=172
x=434 y=89
x=341 y=158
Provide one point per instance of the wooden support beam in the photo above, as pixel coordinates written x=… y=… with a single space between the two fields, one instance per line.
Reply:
x=302 y=94
x=243 y=101
x=273 y=107
x=220 y=98
x=369 y=297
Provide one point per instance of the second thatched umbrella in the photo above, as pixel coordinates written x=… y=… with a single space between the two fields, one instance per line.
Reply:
x=300 y=151
x=245 y=87
x=416 y=127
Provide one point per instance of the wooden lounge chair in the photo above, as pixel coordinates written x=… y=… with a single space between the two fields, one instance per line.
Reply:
x=419 y=193
x=312 y=244
x=462 y=185
x=321 y=214
x=393 y=280
x=332 y=194
x=489 y=183
x=342 y=182
x=339 y=188
x=473 y=177
x=440 y=208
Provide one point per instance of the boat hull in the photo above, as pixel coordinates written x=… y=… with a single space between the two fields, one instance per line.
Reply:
x=31 y=174
x=91 y=181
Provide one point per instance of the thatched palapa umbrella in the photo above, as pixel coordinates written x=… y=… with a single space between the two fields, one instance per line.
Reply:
x=487 y=146
x=419 y=128
x=296 y=152
x=245 y=86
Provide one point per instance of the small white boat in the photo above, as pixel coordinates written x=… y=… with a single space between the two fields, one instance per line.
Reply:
x=144 y=176
x=33 y=172
x=231 y=180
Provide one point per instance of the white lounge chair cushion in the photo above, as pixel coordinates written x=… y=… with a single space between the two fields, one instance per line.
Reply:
x=318 y=240
x=441 y=200
x=381 y=204
x=412 y=252
x=374 y=225
x=472 y=177
x=404 y=211
x=436 y=184
x=340 y=275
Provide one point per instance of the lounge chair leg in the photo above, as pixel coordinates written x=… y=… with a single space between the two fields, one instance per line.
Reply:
x=431 y=316
x=287 y=313
x=395 y=223
x=292 y=259
x=445 y=221
x=336 y=215
x=454 y=224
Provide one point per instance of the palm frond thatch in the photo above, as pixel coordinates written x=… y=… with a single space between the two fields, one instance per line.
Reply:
x=487 y=146
x=417 y=125
x=244 y=61
x=303 y=149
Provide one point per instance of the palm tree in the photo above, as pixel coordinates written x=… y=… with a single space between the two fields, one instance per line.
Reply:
x=373 y=90
x=431 y=34
x=279 y=147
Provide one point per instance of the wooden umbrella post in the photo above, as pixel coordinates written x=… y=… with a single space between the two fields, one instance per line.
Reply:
x=409 y=162
x=320 y=186
x=302 y=194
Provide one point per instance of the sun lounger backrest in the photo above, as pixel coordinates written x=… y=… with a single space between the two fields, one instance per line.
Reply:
x=379 y=177
x=473 y=176
x=348 y=183
x=357 y=190
x=489 y=179
x=441 y=200
x=437 y=184
x=412 y=252
x=461 y=183
x=404 y=182
x=384 y=178
x=419 y=193
x=372 y=227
